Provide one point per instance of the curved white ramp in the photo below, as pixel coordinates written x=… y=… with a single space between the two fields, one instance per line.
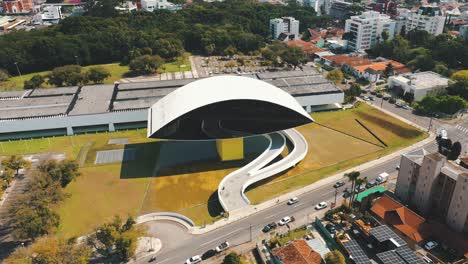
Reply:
x=232 y=187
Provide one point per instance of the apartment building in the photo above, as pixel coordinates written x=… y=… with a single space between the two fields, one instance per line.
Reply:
x=434 y=187
x=427 y=18
x=288 y=27
x=366 y=29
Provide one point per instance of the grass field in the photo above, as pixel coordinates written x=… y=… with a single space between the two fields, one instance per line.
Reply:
x=116 y=70
x=131 y=188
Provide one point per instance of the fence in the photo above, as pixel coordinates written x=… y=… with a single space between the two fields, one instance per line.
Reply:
x=331 y=243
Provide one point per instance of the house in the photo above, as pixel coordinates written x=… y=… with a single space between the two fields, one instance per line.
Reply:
x=373 y=72
x=419 y=84
x=345 y=62
x=308 y=47
x=17 y=6
x=399 y=216
x=297 y=252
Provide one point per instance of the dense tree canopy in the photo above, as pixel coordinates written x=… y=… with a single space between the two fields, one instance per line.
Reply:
x=423 y=51
x=104 y=36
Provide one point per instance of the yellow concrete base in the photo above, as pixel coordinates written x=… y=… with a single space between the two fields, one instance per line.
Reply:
x=230 y=149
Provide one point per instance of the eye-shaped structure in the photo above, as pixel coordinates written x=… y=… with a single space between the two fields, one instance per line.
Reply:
x=224 y=107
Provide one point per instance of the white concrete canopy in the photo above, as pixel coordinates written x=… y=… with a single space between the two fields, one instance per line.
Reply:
x=216 y=90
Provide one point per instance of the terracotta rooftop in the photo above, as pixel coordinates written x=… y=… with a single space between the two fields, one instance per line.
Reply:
x=379 y=66
x=401 y=217
x=297 y=252
x=347 y=60
x=307 y=47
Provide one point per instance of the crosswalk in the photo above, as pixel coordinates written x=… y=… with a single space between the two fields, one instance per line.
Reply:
x=461 y=128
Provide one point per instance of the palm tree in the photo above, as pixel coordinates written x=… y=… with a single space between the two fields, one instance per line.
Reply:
x=352 y=177
x=359 y=182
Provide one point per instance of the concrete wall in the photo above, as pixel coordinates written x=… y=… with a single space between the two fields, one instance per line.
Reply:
x=428 y=174
x=405 y=177
x=321 y=99
x=230 y=149
x=457 y=216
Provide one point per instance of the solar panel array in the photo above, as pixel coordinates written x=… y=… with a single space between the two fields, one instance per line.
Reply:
x=409 y=255
x=383 y=233
x=356 y=253
x=390 y=257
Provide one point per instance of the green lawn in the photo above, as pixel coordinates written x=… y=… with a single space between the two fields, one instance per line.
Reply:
x=131 y=188
x=116 y=70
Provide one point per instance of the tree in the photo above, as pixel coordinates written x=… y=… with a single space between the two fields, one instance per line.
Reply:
x=352 y=177
x=232 y=258
x=459 y=84
x=294 y=56
x=16 y=163
x=3 y=75
x=69 y=75
x=64 y=171
x=33 y=218
x=116 y=238
x=408 y=97
x=389 y=70
x=359 y=182
x=334 y=257
x=230 y=51
x=52 y=250
x=146 y=64
x=98 y=74
x=6 y=176
x=385 y=35
x=455 y=151
x=35 y=82
x=335 y=76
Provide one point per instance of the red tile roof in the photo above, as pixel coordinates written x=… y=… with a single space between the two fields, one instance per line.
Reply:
x=401 y=217
x=307 y=47
x=340 y=60
x=297 y=252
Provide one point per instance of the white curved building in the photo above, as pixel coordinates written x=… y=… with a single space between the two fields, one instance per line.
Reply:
x=224 y=107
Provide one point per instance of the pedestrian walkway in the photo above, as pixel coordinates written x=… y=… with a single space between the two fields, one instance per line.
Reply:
x=461 y=128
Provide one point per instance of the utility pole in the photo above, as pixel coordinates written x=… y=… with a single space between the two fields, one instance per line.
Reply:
x=250 y=231
x=336 y=193
x=381 y=103
x=19 y=72
x=430 y=124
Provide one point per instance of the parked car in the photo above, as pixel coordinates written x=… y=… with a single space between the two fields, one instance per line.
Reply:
x=153 y=258
x=379 y=95
x=346 y=194
x=293 y=200
x=338 y=184
x=371 y=184
x=284 y=221
x=398 y=104
x=321 y=206
x=223 y=246
x=391 y=100
x=269 y=227
x=431 y=245
x=359 y=189
x=397 y=167
x=406 y=107
x=208 y=254
x=193 y=260
x=371 y=98
x=331 y=228
x=383 y=177
x=386 y=98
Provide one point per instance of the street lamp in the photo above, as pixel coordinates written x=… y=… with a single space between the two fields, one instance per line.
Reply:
x=19 y=72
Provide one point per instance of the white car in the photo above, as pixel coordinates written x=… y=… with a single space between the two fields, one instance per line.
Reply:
x=223 y=246
x=193 y=260
x=284 y=221
x=293 y=200
x=430 y=245
x=321 y=205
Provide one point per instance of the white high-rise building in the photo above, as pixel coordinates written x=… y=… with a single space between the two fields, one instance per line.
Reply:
x=151 y=5
x=366 y=29
x=427 y=18
x=287 y=25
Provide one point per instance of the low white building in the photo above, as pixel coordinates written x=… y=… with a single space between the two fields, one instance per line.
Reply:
x=49 y=14
x=151 y=5
x=419 y=84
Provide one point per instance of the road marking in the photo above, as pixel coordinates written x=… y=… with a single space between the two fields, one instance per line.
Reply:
x=270 y=216
x=220 y=237
x=165 y=260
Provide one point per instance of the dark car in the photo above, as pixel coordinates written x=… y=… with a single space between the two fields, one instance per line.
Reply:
x=269 y=227
x=208 y=254
x=371 y=184
x=386 y=98
x=331 y=228
x=338 y=184
x=346 y=194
